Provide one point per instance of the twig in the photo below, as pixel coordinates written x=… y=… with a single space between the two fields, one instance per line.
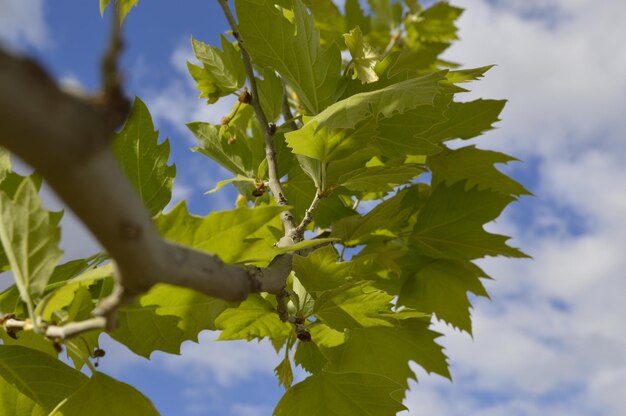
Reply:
x=270 y=153
x=54 y=332
x=308 y=214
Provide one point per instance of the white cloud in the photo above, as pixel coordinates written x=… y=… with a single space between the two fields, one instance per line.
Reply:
x=552 y=340
x=22 y=23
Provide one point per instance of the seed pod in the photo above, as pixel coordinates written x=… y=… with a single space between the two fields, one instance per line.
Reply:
x=245 y=97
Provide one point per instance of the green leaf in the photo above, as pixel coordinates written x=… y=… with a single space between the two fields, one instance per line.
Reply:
x=441 y=288
x=292 y=49
x=123 y=7
x=328 y=20
x=341 y=394
x=466 y=120
x=476 y=167
x=364 y=57
x=416 y=59
x=164 y=318
x=379 y=178
x=467 y=75
x=241 y=156
x=385 y=219
x=309 y=357
x=353 y=305
x=270 y=95
x=30 y=241
x=324 y=336
x=392 y=348
x=284 y=373
x=436 y=24
x=5 y=163
x=320 y=270
x=256 y=317
x=33 y=383
x=104 y=396
x=236 y=236
x=355 y=17
x=222 y=72
x=144 y=160
x=450 y=224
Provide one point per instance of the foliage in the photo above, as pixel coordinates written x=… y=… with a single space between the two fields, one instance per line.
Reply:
x=373 y=125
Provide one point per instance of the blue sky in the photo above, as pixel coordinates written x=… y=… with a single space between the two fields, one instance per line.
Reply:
x=552 y=341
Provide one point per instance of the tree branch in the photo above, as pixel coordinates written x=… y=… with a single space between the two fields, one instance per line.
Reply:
x=308 y=214
x=270 y=153
x=66 y=139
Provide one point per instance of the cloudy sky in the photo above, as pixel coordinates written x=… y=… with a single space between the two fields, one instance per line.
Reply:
x=553 y=339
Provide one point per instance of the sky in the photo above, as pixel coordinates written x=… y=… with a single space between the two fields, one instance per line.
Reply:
x=552 y=340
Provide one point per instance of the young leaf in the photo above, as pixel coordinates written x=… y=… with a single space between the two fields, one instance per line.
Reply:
x=364 y=57
x=327 y=393
x=32 y=382
x=222 y=72
x=30 y=241
x=123 y=7
x=292 y=49
x=241 y=156
x=144 y=160
x=104 y=396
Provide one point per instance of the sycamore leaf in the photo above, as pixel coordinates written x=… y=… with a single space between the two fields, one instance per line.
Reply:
x=328 y=20
x=144 y=160
x=340 y=394
x=292 y=49
x=5 y=163
x=238 y=153
x=270 y=94
x=309 y=357
x=325 y=336
x=364 y=57
x=476 y=167
x=466 y=120
x=394 y=99
x=222 y=72
x=467 y=75
x=436 y=24
x=356 y=17
x=441 y=288
x=284 y=373
x=30 y=240
x=353 y=305
x=386 y=218
x=320 y=270
x=386 y=351
x=379 y=178
x=256 y=317
x=224 y=233
x=104 y=396
x=164 y=318
x=32 y=382
x=450 y=224
x=123 y=7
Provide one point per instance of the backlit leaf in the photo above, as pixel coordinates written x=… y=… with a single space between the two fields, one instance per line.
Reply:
x=144 y=160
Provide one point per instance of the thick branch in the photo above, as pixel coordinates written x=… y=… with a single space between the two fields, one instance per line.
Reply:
x=65 y=138
x=268 y=133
